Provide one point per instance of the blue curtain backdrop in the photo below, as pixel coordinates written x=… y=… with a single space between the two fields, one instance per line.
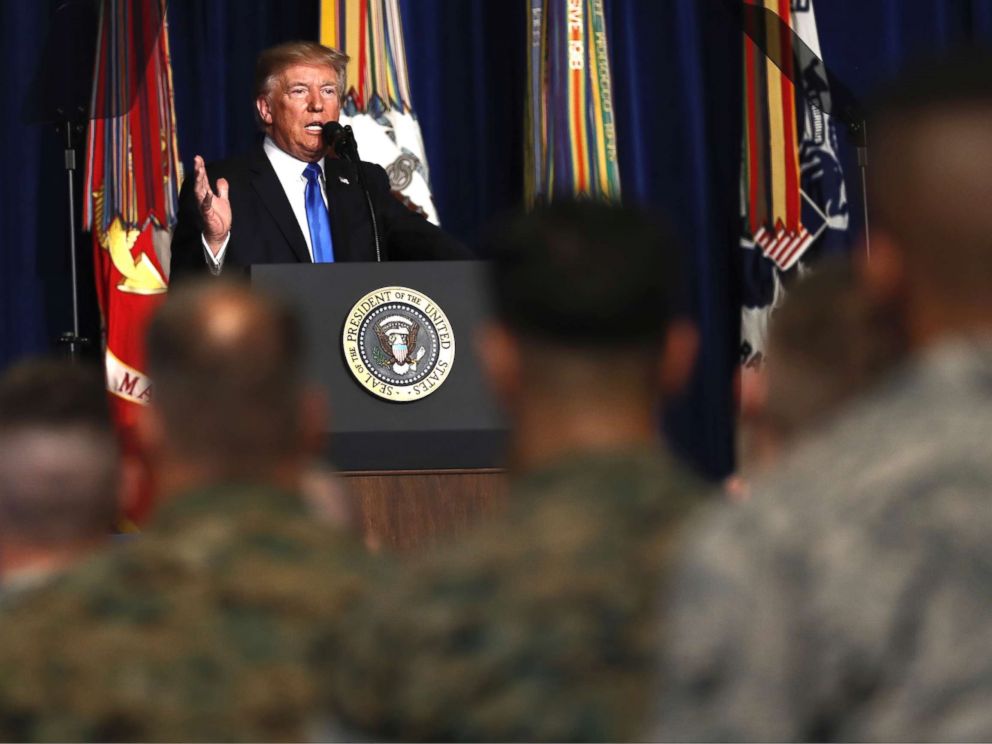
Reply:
x=35 y=291
x=677 y=94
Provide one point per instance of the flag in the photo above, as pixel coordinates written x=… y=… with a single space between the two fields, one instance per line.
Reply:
x=378 y=105
x=793 y=196
x=131 y=195
x=571 y=142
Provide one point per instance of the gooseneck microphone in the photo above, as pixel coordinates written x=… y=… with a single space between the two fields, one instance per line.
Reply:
x=342 y=140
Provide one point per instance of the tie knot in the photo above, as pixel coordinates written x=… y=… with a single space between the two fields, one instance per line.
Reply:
x=312 y=172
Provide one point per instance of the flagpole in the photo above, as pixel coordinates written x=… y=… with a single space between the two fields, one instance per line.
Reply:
x=862 y=145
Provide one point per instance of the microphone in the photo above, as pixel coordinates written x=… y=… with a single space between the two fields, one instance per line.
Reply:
x=342 y=140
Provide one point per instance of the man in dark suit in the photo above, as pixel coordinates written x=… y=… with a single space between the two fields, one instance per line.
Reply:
x=286 y=201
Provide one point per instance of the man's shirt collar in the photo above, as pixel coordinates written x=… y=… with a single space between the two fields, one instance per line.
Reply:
x=287 y=168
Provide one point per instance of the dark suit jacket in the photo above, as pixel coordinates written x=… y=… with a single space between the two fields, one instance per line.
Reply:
x=265 y=230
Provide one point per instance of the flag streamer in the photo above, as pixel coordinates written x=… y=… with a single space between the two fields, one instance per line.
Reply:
x=571 y=136
x=377 y=103
x=771 y=143
x=132 y=149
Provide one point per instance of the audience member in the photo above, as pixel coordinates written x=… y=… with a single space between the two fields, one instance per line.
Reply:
x=199 y=629
x=539 y=625
x=828 y=343
x=59 y=471
x=851 y=598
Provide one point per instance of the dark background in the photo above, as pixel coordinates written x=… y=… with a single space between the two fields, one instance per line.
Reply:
x=677 y=87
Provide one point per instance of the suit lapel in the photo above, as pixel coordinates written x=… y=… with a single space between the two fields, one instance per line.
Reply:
x=341 y=189
x=266 y=184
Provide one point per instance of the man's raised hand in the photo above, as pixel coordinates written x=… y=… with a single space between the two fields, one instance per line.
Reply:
x=215 y=208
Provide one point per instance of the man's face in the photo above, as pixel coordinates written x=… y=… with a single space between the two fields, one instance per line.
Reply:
x=302 y=101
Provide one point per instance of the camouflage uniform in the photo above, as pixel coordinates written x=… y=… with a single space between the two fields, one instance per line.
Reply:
x=851 y=599
x=198 y=629
x=540 y=625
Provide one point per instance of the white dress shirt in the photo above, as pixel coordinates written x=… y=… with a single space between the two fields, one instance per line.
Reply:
x=289 y=171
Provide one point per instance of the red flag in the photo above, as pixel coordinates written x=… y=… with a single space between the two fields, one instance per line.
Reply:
x=132 y=185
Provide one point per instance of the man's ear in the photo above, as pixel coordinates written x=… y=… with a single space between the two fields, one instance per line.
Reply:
x=679 y=356
x=883 y=272
x=499 y=354
x=264 y=110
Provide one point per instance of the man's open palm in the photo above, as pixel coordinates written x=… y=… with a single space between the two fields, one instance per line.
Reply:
x=215 y=208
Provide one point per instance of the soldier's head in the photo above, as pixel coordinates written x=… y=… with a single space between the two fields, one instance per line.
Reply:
x=930 y=186
x=229 y=400
x=827 y=344
x=586 y=300
x=59 y=458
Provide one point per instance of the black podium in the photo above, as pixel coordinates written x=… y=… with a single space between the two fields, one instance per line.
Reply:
x=422 y=468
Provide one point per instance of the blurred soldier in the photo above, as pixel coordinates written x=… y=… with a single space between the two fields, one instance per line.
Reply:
x=540 y=624
x=59 y=471
x=851 y=598
x=828 y=343
x=199 y=629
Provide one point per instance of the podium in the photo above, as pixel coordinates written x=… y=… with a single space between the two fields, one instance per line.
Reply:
x=422 y=469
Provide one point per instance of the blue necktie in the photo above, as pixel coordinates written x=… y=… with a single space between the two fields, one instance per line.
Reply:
x=320 y=226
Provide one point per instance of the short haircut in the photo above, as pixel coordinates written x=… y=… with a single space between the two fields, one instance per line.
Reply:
x=930 y=172
x=584 y=273
x=59 y=458
x=226 y=364
x=274 y=60
x=961 y=78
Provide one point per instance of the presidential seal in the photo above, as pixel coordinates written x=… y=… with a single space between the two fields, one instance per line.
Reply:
x=398 y=344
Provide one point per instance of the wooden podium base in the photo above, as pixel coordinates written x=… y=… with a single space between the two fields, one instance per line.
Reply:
x=402 y=510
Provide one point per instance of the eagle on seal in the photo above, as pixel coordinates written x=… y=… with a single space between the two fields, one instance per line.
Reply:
x=398 y=349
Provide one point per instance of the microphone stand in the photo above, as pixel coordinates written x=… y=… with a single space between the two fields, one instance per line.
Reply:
x=343 y=141
x=859 y=135
x=60 y=95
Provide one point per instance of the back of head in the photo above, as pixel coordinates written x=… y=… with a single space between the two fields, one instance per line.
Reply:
x=931 y=176
x=588 y=291
x=59 y=460
x=584 y=275
x=827 y=344
x=227 y=368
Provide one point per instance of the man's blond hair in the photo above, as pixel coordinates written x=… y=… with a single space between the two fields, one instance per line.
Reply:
x=274 y=60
